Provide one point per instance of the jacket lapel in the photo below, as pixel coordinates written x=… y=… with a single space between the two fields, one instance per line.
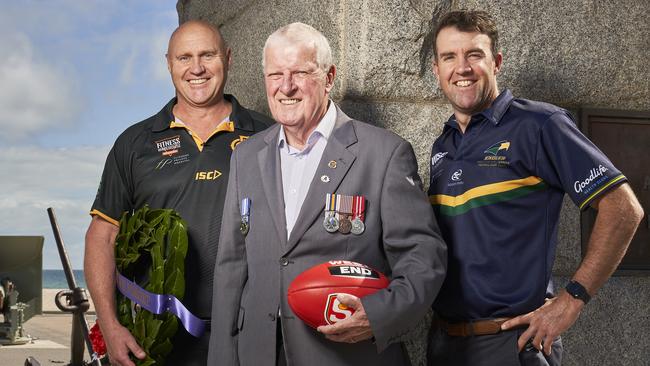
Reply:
x=336 y=150
x=269 y=161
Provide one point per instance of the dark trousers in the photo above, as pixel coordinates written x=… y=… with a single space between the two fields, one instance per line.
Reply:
x=188 y=350
x=487 y=350
x=280 y=356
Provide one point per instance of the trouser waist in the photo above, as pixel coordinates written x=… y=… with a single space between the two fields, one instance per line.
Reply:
x=470 y=328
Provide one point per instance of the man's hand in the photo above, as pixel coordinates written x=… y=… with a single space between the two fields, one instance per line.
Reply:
x=119 y=342
x=547 y=322
x=353 y=329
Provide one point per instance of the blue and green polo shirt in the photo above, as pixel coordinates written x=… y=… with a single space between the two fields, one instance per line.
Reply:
x=497 y=190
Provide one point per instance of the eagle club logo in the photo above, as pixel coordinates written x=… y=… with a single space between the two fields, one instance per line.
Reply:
x=169 y=146
x=238 y=141
x=495 y=155
x=335 y=311
x=496 y=148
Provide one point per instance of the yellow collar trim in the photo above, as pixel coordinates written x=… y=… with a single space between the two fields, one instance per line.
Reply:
x=225 y=126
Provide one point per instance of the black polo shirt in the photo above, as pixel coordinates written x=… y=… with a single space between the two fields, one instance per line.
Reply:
x=158 y=162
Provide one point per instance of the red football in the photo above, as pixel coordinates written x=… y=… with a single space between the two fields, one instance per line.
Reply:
x=312 y=294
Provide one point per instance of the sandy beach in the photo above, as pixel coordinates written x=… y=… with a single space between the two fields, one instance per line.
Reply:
x=50 y=335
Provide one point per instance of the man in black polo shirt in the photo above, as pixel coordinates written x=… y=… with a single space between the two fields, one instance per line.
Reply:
x=499 y=172
x=179 y=159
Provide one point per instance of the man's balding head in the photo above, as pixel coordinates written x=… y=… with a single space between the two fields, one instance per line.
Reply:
x=198 y=60
x=192 y=26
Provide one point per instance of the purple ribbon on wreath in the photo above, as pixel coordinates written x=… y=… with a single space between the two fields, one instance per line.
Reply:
x=158 y=304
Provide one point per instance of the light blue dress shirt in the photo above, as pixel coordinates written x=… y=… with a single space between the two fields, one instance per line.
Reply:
x=299 y=166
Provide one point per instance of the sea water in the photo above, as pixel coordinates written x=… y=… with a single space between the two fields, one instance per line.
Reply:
x=55 y=278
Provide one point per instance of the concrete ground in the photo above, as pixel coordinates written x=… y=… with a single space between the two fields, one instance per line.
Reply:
x=50 y=334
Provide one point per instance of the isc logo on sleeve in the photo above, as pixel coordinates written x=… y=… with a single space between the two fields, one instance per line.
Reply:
x=335 y=311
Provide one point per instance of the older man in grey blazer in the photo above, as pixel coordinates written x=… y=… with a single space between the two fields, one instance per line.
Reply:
x=275 y=224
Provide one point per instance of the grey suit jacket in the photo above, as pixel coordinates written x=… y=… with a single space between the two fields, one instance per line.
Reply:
x=253 y=272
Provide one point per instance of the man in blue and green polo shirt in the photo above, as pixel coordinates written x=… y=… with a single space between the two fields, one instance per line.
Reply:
x=499 y=172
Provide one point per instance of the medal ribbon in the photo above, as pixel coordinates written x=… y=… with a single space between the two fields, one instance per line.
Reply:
x=245 y=209
x=359 y=208
x=329 y=201
x=336 y=206
x=346 y=205
x=158 y=304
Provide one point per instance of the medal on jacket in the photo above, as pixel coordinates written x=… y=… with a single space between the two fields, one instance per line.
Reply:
x=331 y=223
x=344 y=211
x=244 y=227
x=358 y=215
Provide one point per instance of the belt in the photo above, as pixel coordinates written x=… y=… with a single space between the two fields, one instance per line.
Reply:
x=470 y=328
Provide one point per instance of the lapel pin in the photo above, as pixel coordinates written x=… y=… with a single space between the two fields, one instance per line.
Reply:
x=332 y=164
x=325 y=178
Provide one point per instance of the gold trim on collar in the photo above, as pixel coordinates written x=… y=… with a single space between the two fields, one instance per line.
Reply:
x=226 y=126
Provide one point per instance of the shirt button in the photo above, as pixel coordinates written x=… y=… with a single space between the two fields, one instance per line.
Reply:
x=284 y=261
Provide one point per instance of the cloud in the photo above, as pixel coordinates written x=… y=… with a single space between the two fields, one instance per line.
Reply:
x=157 y=52
x=140 y=53
x=34 y=95
x=65 y=179
x=57 y=18
x=61 y=61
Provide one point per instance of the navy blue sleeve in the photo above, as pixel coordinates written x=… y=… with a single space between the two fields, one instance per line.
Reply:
x=567 y=160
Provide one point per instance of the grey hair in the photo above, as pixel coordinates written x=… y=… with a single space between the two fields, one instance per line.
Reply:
x=305 y=34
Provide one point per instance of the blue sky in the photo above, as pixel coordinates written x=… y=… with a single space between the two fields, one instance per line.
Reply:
x=73 y=76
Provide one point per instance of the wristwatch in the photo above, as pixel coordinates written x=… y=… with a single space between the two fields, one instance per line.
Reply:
x=575 y=289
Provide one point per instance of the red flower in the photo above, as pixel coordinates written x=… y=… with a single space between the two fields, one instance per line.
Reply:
x=97 y=340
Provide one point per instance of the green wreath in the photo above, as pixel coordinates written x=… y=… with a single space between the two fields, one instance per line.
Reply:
x=162 y=234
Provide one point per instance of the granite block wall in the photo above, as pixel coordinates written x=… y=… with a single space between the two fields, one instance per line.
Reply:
x=573 y=53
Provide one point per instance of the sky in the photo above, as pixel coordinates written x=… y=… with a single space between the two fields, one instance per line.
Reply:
x=73 y=75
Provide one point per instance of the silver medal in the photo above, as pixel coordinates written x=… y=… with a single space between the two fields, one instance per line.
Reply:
x=331 y=223
x=358 y=227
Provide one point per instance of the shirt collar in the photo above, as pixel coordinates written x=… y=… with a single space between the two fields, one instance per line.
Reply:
x=494 y=113
x=323 y=129
x=239 y=116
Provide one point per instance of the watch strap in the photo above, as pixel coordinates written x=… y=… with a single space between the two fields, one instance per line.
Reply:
x=577 y=291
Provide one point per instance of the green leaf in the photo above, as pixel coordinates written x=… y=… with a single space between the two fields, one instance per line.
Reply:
x=139 y=329
x=175 y=285
x=153 y=327
x=178 y=237
x=148 y=361
x=155 y=217
x=164 y=348
x=168 y=328
x=157 y=272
